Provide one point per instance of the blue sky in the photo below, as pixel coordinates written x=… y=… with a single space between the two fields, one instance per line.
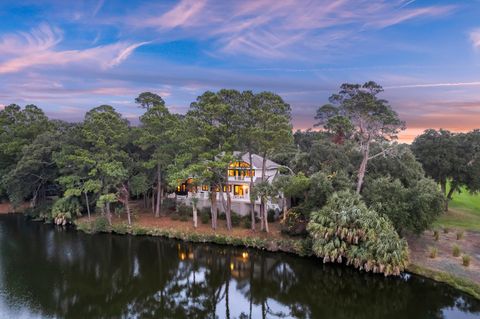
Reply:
x=70 y=56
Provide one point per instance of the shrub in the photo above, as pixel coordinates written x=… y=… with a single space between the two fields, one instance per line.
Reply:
x=433 y=252
x=295 y=223
x=456 y=251
x=65 y=209
x=205 y=216
x=460 y=235
x=436 y=235
x=120 y=228
x=101 y=225
x=169 y=204
x=446 y=230
x=466 y=260
x=247 y=221
x=175 y=216
x=236 y=218
x=184 y=210
x=345 y=229
x=184 y=218
x=271 y=213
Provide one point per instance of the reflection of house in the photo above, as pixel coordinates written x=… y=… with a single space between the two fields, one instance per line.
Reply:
x=239 y=177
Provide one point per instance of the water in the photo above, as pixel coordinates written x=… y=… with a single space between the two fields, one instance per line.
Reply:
x=47 y=272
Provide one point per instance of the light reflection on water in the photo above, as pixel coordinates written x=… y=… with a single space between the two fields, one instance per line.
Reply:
x=47 y=272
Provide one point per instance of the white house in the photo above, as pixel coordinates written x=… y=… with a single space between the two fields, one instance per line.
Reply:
x=239 y=178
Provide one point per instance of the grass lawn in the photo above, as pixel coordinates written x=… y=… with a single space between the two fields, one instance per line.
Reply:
x=464 y=212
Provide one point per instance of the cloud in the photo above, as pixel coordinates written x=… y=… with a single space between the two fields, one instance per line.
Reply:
x=183 y=14
x=125 y=53
x=433 y=85
x=475 y=38
x=279 y=29
x=24 y=50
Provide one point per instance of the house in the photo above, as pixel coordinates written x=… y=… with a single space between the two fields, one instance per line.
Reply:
x=239 y=178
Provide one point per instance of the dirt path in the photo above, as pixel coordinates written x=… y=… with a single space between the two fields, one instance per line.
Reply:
x=469 y=244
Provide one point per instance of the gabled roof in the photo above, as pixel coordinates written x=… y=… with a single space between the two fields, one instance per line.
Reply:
x=257 y=160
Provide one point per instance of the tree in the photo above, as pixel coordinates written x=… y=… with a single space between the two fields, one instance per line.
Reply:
x=35 y=170
x=272 y=130
x=157 y=139
x=410 y=209
x=357 y=108
x=450 y=159
x=106 y=134
x=214 y=134
x=18 y=128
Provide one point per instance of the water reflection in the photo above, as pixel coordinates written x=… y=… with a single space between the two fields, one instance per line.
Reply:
x=48 y=272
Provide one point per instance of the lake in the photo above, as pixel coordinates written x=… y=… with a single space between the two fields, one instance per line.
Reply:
x=50 y=272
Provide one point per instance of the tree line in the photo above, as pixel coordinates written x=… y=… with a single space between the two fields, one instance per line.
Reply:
x=103 y=162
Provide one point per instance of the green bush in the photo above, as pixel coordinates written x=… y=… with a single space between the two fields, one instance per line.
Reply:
x=169 y=204
x=205 y=216
x=436 y=235
x=345 y=229
x=433 y=252
x=100 y=224
x=236 y=218
x=184 y=210
x=466 y=260
x=460 y=235
x=247 y=221
x=271 y=215
x=65 y=209
x=120 y=228
x=184 y=218
x=295 y=223
x=175 y=216
x=456 y=251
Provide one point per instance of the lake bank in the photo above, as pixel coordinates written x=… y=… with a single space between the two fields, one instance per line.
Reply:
x=466 y=279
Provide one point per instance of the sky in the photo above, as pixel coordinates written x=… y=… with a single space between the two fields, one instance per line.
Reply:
x=70 y=56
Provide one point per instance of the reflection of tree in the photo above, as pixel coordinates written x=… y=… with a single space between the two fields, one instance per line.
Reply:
x=68 y=274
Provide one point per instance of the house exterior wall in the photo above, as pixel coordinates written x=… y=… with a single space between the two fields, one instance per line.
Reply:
x=240 y=202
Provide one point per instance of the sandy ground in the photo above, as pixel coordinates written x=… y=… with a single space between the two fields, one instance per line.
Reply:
x=470 y=244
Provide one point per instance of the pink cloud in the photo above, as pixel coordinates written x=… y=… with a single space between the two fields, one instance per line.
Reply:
x=24 y=50
x=183 y=14
x=277 y=29
x=475 y=38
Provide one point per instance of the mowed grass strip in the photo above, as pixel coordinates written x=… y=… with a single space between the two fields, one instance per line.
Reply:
x=464 y=212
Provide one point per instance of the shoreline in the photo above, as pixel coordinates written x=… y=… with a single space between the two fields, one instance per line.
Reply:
x=298 y=246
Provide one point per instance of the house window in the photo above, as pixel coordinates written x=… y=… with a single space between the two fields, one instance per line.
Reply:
x=205 y=187
x=238 y=190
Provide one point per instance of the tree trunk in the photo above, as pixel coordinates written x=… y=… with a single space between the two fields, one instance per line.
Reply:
x=252 y=200
x=443 y=186
x=225 y=208
x=213 y=208
x=109 y=213
x=159 y=192
x=153 y=201
x=195 y=215
x=285 y=208
x=88 y=205
x=263 y=199
x=127 y=203
x=363 y=166
x=453 y=187
x=228 y=208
